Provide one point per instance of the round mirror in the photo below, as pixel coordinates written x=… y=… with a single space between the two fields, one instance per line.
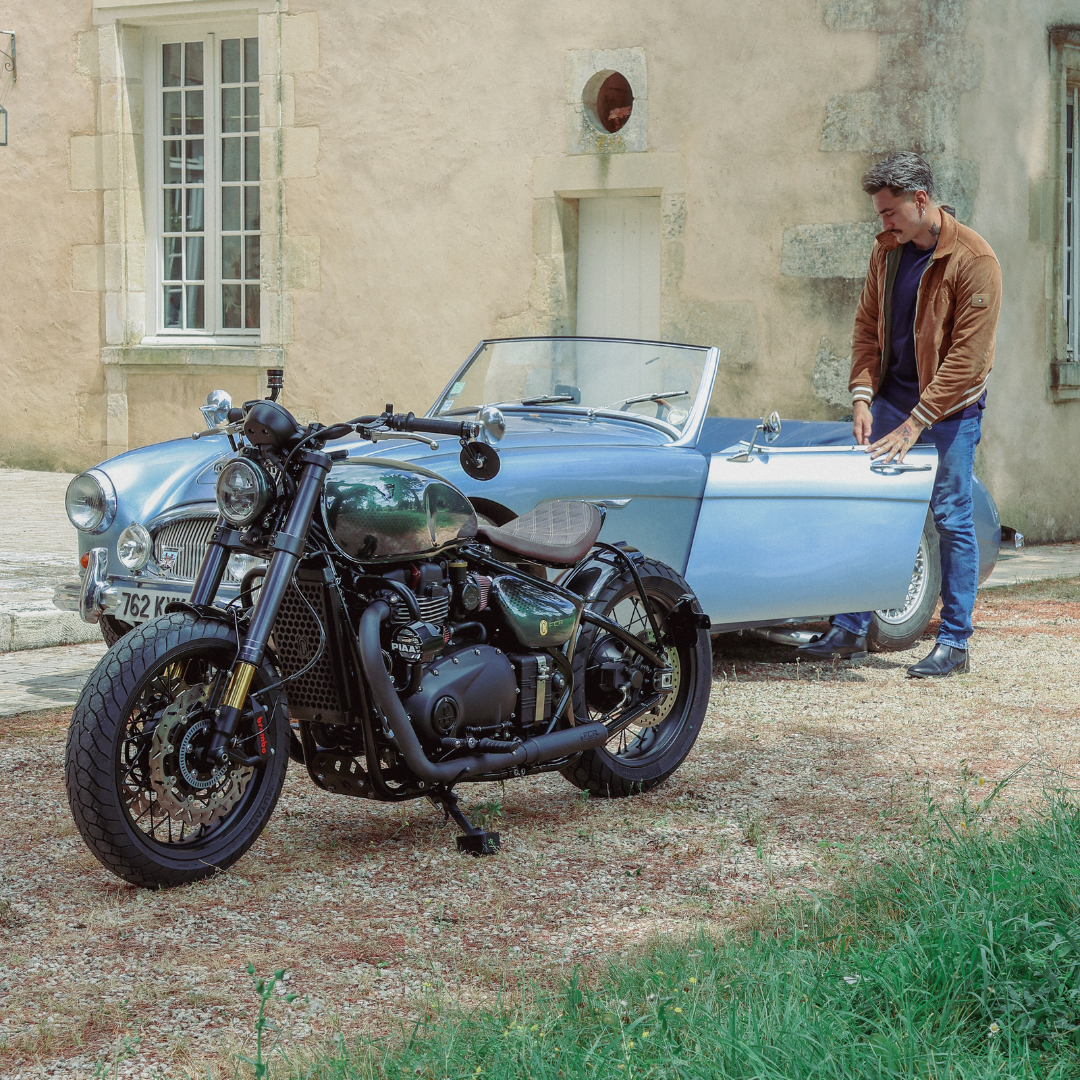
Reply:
x=770 y=426
x=215 y=408
x=492 y=424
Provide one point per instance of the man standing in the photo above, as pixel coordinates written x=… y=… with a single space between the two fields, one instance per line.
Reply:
x=922 y=350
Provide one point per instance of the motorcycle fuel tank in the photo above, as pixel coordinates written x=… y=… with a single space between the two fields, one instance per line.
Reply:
x=377 y=510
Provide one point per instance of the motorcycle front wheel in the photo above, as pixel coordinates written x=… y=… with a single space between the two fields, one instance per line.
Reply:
x=147 y=803
x=649 y=751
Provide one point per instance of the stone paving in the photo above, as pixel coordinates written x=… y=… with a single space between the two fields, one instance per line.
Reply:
x=46 y=654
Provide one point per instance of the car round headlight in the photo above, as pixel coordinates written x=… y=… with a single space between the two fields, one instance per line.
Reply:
x=243 y=491
x=91 y=501
x=134 y=546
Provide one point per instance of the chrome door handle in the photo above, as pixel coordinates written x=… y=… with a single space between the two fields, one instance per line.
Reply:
x=881 y=466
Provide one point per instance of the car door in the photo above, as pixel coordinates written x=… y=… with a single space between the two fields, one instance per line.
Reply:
x=791 y=532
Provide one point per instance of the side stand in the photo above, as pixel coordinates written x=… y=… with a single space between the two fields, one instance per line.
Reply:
x=473 y=841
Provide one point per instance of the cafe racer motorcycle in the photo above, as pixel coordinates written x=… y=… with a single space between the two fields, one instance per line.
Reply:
x=392 y=641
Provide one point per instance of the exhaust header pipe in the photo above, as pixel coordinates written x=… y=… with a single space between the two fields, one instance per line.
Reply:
x=531 y=752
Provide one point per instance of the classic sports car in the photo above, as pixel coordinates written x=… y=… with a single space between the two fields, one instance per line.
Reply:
x=772 y=524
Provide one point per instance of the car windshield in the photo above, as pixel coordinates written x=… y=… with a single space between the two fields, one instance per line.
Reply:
x=639 y=379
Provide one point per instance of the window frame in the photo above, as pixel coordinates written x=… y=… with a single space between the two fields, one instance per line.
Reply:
x=211 y=33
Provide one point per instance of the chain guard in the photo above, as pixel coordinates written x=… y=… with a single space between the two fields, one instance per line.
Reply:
x=184 y=789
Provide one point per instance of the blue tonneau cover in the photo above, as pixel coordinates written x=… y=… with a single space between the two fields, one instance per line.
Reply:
x=720 y=432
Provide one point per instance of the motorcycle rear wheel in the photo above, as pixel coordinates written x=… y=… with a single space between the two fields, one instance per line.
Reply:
x=146 y=804
x=646 y=754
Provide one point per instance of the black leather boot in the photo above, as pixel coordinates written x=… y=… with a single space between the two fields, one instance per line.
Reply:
x=837 y=644
x=944 y=660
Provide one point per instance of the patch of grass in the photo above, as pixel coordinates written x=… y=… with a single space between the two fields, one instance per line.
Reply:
x=960 y=960
x=1059 y=588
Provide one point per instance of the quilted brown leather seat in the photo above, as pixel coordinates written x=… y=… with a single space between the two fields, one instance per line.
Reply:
x=559 y=533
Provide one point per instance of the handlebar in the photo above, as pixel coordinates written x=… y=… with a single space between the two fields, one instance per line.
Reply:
x=455 y=428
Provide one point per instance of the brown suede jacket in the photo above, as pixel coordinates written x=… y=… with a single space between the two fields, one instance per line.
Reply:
x=955 y=321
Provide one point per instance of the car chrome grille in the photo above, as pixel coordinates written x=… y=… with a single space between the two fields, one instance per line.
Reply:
x=188 y=538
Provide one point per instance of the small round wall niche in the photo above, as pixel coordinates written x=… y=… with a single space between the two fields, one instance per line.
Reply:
x=608 y=101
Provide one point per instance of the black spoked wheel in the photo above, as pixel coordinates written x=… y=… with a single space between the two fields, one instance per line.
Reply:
x=648 y=751
x=145 y=799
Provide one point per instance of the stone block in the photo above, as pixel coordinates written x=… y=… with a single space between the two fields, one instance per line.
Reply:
x=583 y=136
x=87 y=268
x=300 y=263
x=85 y=163
x=831 y=375
x=879 y=121
x=300 y=42
x=828 y=251
x=1045 y=195
x=957 y=183
x=86 y=54
x=879 y=15
x=299 y=152
x=730 y=325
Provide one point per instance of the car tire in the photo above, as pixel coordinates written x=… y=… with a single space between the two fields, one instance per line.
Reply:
x=112 y=630
x=895 y=629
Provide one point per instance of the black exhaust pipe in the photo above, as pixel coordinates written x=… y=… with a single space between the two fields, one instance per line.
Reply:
x=531 y=752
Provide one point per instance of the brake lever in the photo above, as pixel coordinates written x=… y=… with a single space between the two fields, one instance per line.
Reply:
x=377 y=436
x=228 y=429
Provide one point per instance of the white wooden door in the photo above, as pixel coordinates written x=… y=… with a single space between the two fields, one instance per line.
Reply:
x=619 y=268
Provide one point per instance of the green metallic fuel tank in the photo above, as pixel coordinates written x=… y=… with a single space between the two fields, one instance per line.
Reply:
x=378 y=510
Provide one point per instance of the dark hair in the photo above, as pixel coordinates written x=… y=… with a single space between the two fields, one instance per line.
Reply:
x=902 y=173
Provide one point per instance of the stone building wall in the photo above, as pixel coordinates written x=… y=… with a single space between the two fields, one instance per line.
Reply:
x=422 y=169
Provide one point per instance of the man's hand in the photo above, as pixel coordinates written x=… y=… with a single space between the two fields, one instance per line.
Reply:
x=897 y=443
x=862 y=422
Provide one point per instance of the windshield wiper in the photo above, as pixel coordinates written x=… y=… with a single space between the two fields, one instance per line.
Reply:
x=548 y=399
x=648 y=397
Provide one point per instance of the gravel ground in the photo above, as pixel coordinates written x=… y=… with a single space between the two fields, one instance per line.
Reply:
x=800 y=774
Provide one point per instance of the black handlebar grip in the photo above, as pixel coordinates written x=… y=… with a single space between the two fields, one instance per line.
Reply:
x=409 y=422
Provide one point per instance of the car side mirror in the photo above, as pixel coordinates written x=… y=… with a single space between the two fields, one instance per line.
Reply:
x=215 y=408
x=770 y=426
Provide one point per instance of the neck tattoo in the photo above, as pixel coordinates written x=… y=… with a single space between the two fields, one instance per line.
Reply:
x=935 y=228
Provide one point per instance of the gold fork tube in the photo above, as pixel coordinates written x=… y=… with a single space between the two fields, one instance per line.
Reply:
x=239 y=682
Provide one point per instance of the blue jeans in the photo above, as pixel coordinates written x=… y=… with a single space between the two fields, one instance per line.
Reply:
x=951 y=505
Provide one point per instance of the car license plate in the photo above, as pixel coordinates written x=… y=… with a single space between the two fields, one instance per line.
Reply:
x=138 y=605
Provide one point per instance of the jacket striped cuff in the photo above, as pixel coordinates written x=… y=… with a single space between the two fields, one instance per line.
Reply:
x=862 y=393
x=926 y=417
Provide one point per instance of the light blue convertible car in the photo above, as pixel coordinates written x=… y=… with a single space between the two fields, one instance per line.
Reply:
x=772 y=523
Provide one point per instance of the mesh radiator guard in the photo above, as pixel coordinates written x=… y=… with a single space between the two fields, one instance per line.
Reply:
x=314 y=695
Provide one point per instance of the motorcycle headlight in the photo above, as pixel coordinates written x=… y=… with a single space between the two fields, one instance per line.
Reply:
x=91 y=501
x=243 y=491
x=133 y=547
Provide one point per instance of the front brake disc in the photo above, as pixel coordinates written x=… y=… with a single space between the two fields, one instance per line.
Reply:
x=185 y=788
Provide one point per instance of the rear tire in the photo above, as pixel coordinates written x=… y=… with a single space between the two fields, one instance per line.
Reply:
x=641 y=757
x=899 y=628
x=145 y=802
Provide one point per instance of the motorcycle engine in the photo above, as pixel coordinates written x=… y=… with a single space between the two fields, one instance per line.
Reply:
x=454 y=690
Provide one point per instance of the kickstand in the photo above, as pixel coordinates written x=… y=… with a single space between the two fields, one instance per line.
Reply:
x=473 y=841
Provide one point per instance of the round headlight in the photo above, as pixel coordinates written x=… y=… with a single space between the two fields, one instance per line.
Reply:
x=133 y=547
x=243 y=491
x=91 y=501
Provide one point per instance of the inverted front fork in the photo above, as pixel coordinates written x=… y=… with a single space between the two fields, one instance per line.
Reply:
x=288 y=547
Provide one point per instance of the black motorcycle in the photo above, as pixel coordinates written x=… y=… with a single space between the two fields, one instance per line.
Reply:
x=393 y=643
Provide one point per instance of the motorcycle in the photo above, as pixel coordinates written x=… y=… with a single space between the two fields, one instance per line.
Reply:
x=391 y=641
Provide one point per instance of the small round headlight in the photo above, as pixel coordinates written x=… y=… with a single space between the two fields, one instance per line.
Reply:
x=91 y=501
x=243 y=491
x=133 y=547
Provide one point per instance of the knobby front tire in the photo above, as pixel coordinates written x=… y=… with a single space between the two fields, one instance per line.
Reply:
x=142 y=798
